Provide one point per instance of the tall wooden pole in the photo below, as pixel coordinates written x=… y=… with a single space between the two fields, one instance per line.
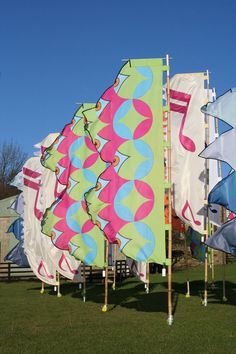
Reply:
x=224 y=298
x=58 y=286
x=105 y=306
x=206 y=221
x=84 y=283
x=148 y=278
x=114 y=267
x=187 y=267
x=42 y=288
x=170 y=307
x=212 y=269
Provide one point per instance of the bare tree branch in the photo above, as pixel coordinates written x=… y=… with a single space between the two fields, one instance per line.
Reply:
x=12 y=159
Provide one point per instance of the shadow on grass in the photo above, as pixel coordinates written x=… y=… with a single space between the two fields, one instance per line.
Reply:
x=215 y=292
x=131 y=297
x=131 y=294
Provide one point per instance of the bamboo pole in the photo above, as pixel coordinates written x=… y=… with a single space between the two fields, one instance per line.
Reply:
x=187 y=267
x=170 y=307
x=42 y=288
x=84 y=284
x=212 y=269
x=206 y=221
x=105 y=306
x=148 y=278
x=114 y=268
x=58 y=286
x=224 y=298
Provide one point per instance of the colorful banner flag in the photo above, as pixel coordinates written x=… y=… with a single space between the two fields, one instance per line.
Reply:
x=224 y=107
x=224 y=239
x=77 y=165
x=17 y=228
x=224 y=193
x=127 y=128
x=17 y=255
x=40 y=189
x=187 y=96
x=223 y=148
x=196 y=246
x=214 y=167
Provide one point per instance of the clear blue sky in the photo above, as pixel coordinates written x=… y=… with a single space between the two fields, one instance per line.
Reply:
x=55 y=53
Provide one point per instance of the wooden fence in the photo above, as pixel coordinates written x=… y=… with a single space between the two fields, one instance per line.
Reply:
x=10 y=271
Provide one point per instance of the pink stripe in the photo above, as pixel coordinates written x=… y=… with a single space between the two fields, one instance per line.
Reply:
x=31 y=173
x=31 y=184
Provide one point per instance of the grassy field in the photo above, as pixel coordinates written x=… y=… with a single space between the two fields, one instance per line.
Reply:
x=135 y=323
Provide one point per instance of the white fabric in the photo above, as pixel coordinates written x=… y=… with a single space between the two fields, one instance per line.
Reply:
x=188 y=140
x=44 y=258
x=138 y=269
x=36 y=245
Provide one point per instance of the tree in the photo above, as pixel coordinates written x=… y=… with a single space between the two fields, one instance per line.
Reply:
x=12 y=159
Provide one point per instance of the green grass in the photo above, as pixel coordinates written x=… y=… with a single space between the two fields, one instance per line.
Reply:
x=135 y=323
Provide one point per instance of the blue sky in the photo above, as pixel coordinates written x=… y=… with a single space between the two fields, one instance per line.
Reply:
x=55 y=53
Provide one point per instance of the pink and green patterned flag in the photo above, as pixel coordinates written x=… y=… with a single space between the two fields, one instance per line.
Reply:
x=77 y=164
x=126 y=127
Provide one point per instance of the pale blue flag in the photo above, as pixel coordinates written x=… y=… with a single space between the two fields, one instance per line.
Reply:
x=17 y=228
x=224 y=239
x=17 y=255
x=224 y=107
x=224 y=193
x=223 y=148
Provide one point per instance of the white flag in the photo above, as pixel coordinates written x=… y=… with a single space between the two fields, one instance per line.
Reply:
x=40 y=191
x=187 y=96
x=138 y=269
x=35 y=244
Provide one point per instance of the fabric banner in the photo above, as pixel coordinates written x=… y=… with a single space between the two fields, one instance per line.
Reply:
x=187 y=96
x=127 y=128
x=224 y=239
x=224 y=193
x=214 y=210
x=223 y=148
x=196 y=246
x=77 y=165
x=18 y=204
x=17 y=228
x=138 y=269
x=18 y=256
x=40 y=188
x=35 y=245
x=224 y=107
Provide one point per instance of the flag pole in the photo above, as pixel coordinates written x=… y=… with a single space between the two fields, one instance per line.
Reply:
x=58 y=286
x=224 y=298
x=187 y=267
x=84 y=284
x=42 y=288
x=170 y=309
x=206 y=195
x=105 y=306
x=212 y=269
x=114 y=268
x=148 y=278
